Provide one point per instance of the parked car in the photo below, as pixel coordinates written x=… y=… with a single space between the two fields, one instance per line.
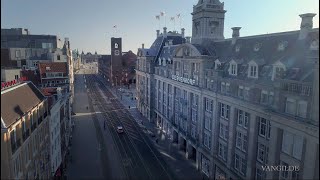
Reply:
x=119 y=129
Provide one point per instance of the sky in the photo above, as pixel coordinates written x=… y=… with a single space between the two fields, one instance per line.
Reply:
x=89 y=23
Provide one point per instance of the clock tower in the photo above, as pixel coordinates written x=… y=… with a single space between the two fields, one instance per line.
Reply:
x=116 y=60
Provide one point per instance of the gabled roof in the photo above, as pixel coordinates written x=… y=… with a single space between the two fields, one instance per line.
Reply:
x=17 y=101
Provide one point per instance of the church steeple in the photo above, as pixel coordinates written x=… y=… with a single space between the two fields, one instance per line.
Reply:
x=208 y=21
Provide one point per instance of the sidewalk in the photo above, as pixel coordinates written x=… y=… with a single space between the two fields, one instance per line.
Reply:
x=175 y=159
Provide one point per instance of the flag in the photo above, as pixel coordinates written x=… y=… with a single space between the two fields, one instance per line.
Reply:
x=115 y=26
x=158 y=17
x=162 y=13
x=172 y=18
x=178 y=16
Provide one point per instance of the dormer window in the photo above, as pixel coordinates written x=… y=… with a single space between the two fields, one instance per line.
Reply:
x=278 y=70
x=257 y=47
x=233 y=68
x=282 y=46
x=217 y=64
x=253 y=70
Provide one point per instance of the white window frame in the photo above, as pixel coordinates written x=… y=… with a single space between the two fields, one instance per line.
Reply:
x=253 y=70
x=262 y=153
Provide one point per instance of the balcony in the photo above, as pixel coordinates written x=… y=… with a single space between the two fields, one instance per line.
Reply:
x=25 y=135
x=15 y=146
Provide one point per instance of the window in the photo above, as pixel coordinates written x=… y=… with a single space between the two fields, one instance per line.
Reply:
x=243 y=118
x=207 y=140
x=194 y=115
x=246 y=93
x=302 y=109
x=207 y=123
x=264 y=97
x=205 y=165
x=223 y=87
x=240 y=164
x=227 y=88
x=209 y=105
x=224 y=131
x=292 y=144
x=117 y=52
x=260 y=175
x=58 y=57
x=217 y=64
x=240 y=91
x=284 y=174
x=271 y=98
x=233 y=69
x=264 y=127
x=195 y=100
x=253 y=71
x=291 y=106
x=223 y=151
x=262 y=154
x=224 y=111
x=241 y=141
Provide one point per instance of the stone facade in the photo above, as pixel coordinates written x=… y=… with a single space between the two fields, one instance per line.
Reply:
x=236 y=106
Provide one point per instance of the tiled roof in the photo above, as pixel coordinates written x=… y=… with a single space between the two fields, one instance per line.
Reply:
x=293 y=56
x=53 y=67
x=17 y=101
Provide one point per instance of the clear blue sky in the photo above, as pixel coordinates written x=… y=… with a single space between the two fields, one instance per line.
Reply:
x=89 y=23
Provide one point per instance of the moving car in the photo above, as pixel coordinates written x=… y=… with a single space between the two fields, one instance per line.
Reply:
x=119 y=129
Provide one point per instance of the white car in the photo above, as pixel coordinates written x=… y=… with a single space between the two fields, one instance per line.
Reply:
x=119 y=129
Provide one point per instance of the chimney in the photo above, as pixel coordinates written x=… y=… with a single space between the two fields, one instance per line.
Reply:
x=188 y=39
x=170 y=42
x=306 y=24
x=158 y=33
x=164 y=31
x=142 y=46
x=235 y=34
x=182 y=32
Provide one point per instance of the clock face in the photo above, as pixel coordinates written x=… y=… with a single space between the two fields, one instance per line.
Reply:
x=116 y=45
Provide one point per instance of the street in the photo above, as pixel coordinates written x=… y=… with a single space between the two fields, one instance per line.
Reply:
x=98 y=151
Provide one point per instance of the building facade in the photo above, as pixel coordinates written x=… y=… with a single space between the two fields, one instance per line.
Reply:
x=235 y=106
x=25 y=142
x=118 y=68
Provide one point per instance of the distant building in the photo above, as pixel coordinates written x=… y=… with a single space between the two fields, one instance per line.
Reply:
x=89 y=57
x=10 y=74
x=25 y=138
x=237 y=105
x=118 y=68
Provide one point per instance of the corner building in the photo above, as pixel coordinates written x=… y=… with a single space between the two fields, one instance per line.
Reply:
x=236 y=105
